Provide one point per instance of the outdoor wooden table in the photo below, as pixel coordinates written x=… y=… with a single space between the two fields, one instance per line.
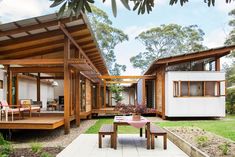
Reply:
x=127 y=120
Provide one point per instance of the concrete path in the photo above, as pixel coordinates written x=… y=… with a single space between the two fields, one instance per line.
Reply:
x=129 y=145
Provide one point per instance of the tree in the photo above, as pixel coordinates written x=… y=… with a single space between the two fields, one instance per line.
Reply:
x=141 y=6
x=231 y=37
x=167 y=40
x=108 y=38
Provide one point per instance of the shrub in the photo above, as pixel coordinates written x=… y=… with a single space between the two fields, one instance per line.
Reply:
x=5 y=147
x=36 y=147
x=224 y=148
x=202 y=141
x=45 y=154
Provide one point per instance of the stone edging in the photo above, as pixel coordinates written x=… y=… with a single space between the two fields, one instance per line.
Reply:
x=189 y=149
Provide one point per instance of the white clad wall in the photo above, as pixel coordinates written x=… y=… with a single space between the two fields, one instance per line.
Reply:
x=28 y=90
x=3 y=91
x=139 y=91
x=193 y=106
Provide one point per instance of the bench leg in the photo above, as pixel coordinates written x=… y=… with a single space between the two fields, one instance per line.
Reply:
x=100 y=141
x=165 y=141
x=141 y=132
x=152 y=141
x=145 y=133
x=111 y=140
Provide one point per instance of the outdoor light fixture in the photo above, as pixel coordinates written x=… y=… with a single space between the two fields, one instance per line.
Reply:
x=1 y=66
x=54 y=84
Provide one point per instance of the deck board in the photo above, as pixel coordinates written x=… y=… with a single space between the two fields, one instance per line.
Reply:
x=34 y=123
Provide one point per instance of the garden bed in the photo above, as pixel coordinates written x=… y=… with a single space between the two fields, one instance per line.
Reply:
x=27 y=152
x=209 y=143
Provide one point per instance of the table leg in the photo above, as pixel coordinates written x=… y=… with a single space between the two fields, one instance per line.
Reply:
x=115 y=136
x=141 y=132
x=148 y=135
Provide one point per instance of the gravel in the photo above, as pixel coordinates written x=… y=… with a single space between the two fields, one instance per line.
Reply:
x=50 y=138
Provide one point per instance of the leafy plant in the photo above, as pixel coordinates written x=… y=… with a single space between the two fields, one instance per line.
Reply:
x=202 y=141
x=5 y=150
x=224 y=148
x=45 y=154
x=128 y=109
x=141 y=6
x=116 y=90
x=36 y=147
x=5 y=147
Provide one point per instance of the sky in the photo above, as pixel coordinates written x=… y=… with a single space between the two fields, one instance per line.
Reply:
x=212 y=20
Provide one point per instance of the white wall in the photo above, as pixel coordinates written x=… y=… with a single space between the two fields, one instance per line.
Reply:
x=140 y=91
x=28 y=90
x=193 y=106
x=3 y=91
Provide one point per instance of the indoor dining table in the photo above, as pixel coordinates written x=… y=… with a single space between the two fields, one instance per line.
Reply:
x=127 y=120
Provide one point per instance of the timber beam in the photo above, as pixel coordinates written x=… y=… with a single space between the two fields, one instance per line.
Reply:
x=120 y=82
x=62 y=27
x=32 y=61
x=37 y=69
x=127 y=77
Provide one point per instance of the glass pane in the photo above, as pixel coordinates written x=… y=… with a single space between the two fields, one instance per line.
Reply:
x=184 y=88
x=222 y=88
x=176 y=89
x=196 y=88
x=211 y=89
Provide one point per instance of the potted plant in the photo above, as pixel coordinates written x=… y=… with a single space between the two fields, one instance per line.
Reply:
x=138 y=110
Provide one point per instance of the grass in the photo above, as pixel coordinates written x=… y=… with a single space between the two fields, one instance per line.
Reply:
x=225 y=127
x=121 y=129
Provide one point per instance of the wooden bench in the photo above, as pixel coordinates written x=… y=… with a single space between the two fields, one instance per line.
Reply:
x=158 y=131
x=106 y=129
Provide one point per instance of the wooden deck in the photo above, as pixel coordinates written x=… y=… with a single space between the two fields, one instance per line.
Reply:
x=43 y=122
x=107 y=110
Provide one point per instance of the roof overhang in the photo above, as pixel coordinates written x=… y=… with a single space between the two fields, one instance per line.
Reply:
x=215 y=52
x=42 y=36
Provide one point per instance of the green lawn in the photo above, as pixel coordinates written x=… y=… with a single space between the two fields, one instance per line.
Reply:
x=121 y=129
x=225 y=127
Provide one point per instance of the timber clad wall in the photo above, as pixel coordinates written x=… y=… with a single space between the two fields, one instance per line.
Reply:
x=159 y=90
x=88 y=95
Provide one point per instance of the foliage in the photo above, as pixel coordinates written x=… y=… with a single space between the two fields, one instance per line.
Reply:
x=231 y=37
x=36 y=147
x=202 y=141
x=141 y=6
x=230 y=101
x=167 y=40
x=128 y=109
x=5 y=147
x=45 y=154
x=116 y=90
x=224 y=148
x=108 y=38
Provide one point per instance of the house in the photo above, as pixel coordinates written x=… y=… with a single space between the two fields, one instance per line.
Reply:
x=187 y=85
x=38 y=51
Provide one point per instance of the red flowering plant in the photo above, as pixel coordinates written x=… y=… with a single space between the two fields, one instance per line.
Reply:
x=130 y=109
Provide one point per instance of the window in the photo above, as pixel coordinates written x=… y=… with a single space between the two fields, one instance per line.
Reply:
x=184 y=88
x=198 y=88
x=176 y=89
x=211 y=88
x=1 y=84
